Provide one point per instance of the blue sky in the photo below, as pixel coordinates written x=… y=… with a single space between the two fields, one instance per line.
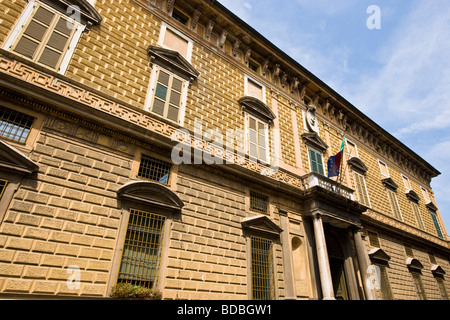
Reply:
x=398 y=75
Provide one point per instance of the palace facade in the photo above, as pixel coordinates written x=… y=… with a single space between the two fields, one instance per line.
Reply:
x=169 y=144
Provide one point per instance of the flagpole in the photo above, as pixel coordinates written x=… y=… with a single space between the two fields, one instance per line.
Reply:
x=339 y=180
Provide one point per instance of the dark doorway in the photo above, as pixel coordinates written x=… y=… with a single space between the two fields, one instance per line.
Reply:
x=336 y=260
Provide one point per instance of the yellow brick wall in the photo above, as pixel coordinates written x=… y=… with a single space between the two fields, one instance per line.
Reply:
x=67 y=216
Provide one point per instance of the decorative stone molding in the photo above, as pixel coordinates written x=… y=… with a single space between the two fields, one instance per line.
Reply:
x=356 y=164
x=389 y=183
x=175 y=60
x=314 y=141
x=151 y=193
x=210 y=27
x=378 y=255
x=195 y=17
x=414 y=264
x=257 y=108
x=261 y=224
x=12 y=160
x=413 y=196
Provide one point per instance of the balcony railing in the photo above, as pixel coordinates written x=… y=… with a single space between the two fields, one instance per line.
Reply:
x=314 y=179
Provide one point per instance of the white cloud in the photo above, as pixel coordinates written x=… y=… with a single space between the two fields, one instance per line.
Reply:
x=413 y=86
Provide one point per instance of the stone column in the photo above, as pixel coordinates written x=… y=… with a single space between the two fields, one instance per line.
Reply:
x=287 y=256
x=363 y=264
x=322 y=256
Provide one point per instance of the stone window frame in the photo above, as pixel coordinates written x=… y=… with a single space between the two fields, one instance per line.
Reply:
x=88 y=17
x=162 y=34
x=380 y=259
x=355 y=147
x=247 y=78
x=414 y=199
x=253 y=108
x=137 y=161
x=391 y=191
x=262 y=227
x=317 y=152
x=149 y=197
x=382 y=163
x=415 y=268
x=176 y=65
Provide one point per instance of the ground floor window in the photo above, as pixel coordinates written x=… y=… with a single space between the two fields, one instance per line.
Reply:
x=262 y=269
x=142 y=249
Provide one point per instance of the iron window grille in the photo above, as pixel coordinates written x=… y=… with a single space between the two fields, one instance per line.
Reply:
x=142 y=249
x=259 y=202
x=15 y=125
x=262 y=269
x=154 y=169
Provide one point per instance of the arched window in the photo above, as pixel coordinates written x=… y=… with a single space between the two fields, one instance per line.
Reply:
x=148 y=211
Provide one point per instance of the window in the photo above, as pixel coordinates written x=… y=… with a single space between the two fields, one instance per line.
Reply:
x=418 y=285
x=385 y=288
x=180 y=16
x=361 y=189
x=142 y=249
x=167 y=96
x=425 y=195
x=436 y=224
x=259 y=202
x=3 y=184
x=406 y=182
x=351 y=147
x=417 y=215
x=154 y=169
x=374 y=241
x=441 y=286
x=254 y=89
x=49 y=37
x=167 y=92
x=316 y=161
x=174 y=40
x=394 y=204
x=148 y=210
x=409 y=251
x=257 y=137
x=253 y=65
x=14 y=125
x=383 y=168
x=262 y=269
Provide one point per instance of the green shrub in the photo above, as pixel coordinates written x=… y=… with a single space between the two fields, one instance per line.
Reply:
x=128 y=291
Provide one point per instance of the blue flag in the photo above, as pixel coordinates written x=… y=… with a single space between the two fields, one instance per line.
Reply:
x=334 y=164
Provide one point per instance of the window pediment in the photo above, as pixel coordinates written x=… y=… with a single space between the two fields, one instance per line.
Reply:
x=437 y=270
x=356 y=164
x=172 y=61
x=313 y=140
x=388 y=182
x=261 y=224
x=414 y=264
x=257 y=108
x=13 y=160
x=378 y=254
x=413 y=196
x=87 y=13
x=431 y=206
x=151 y=193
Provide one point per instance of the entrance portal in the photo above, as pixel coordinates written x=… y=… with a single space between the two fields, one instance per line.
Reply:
x=336 y=260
